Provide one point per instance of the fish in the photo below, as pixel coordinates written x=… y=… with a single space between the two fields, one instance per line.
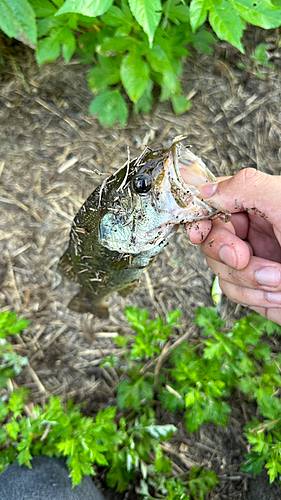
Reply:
x=129 y=218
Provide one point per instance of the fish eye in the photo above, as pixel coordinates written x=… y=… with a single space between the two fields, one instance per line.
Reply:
x=142 y=183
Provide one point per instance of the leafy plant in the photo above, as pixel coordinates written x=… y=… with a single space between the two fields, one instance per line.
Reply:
x=127 y=447
x=137 y=48
x=10 y=363
x=260 y=61
x=202 y=376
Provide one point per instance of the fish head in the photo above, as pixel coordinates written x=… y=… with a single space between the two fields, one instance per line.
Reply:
x=157 y=192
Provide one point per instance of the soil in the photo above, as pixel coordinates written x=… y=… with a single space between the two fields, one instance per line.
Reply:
x=51 y=149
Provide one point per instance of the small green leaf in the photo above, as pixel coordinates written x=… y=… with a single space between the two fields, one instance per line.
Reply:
x=176 y=11
x=226 y=22
x=68 y=44
x=90 y=8
x=17 y=20
x=13 y=429
x=270 y=406
x=48 y=49
x=110 y=106
x=134 y=72
x=148 y=15
x=253 y=464
x=198 y=11
x=180 y=104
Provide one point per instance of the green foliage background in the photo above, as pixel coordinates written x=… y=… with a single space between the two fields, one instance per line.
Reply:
x=134 y=46
x=126 y=440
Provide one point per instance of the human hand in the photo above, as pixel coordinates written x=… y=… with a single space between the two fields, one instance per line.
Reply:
x=245 y=253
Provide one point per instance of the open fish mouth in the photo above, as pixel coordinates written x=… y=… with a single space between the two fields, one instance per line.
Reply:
x=189 y=169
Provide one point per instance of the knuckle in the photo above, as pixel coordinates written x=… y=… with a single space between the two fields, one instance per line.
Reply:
x=251 y=175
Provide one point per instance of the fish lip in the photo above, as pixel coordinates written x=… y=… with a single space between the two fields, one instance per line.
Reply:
x=175 y=149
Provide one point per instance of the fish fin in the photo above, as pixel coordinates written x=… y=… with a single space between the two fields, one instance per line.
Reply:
x=82 y=303
x=127 y=290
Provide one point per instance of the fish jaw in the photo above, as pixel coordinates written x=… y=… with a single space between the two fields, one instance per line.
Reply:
x=185 y=171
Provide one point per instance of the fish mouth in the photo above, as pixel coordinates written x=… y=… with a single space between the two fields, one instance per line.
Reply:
x=189 y=169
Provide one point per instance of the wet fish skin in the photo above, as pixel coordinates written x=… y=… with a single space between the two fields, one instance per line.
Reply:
x=117 y=232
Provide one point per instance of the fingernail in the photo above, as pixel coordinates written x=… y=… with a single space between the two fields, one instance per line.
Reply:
x=228 y=255
x=274 y=297
x=207 y=190
x=268 y=276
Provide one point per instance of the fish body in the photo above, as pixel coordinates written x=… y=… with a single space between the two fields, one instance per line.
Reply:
x=128 y=219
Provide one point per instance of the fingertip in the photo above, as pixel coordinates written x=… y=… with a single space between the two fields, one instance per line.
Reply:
x=198 y=232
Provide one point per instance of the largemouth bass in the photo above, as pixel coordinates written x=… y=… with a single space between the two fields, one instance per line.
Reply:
x=128 y=219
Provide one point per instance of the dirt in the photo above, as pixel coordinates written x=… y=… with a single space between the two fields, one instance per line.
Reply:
x=50 y=151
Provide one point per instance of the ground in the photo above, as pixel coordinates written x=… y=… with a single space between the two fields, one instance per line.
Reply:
x=50 y=149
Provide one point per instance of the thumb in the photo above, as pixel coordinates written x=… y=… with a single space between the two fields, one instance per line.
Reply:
x=249 y=191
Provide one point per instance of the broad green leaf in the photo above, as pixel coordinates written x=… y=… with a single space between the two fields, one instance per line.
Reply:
x=110 y=106
x=201 y=41
x=198 y=10
x=180 y=104
x=160 y=63
x=68 y=44
x=105 y=73
x=260 y=13
x=144 y=104
x=148 y=15
x=48 y=50
x=134 y=72
x=226 y=22
x=43 y=8
x=90 y=8
x=17 y=20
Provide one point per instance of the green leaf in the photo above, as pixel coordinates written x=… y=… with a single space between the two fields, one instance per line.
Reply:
x=260 y=13
x=226 y=22
x=145 y=102
x=132 y=394
x=68 y=44
x=201 y=41
x=134 y=72
x=110 y=106
x=198 y=11
x=44 y=26
x=13 y=429
x=160 y=63
x=180 y=104
x=176 y=11
x=274 y=468
x=253 y=464
x=48 y=50
x=270 y=406
x=17 y=20
x=90 y=8
x=43 y=8
x=121 y=18
x=148 y=15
